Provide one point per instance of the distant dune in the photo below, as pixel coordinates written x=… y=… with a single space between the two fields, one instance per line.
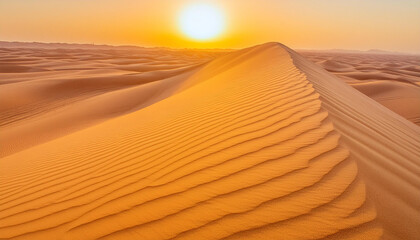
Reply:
x=48 y=93
x=258 y=143
x=40 y=45
x=390 y=79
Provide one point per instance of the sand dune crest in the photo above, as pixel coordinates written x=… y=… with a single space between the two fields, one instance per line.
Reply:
x=256 y=144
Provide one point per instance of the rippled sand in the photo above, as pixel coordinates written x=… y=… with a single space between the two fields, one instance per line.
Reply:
x=258 y=143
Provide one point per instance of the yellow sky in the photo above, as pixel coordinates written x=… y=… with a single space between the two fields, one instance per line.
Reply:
x=312 y=24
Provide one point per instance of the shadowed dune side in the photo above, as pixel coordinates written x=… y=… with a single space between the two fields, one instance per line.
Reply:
x=386 y=146
x=390 y=79
x=254 y=146
x=402 y=98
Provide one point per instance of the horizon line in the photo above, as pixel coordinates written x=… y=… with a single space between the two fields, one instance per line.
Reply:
x=377 y=51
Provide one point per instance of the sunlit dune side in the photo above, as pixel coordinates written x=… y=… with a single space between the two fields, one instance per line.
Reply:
x=259 y=143
x=391 y=79
x=48 y=93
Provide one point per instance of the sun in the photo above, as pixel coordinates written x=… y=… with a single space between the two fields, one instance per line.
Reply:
x=201 y=21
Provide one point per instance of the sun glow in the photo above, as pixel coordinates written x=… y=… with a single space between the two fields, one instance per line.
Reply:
x=201 y=21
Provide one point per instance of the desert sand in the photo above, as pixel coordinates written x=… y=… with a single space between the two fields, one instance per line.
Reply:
x=49 y=92
x=392 y=79
x=259 y=143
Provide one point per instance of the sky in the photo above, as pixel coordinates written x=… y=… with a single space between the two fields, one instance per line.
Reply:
x=392 y=25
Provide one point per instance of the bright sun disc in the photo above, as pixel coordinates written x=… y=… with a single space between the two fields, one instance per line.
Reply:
x=201 y=21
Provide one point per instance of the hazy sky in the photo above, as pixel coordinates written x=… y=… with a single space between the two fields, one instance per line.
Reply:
x=317 y=24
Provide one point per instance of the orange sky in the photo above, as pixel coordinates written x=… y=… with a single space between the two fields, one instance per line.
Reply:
x=314 y=24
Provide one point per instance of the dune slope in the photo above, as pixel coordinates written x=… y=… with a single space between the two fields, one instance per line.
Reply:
x=260 y=144
x=393 y=80
x=49 y=93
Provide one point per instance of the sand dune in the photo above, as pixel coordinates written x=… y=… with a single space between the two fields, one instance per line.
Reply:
x=390 y=79
x=259 y=143
x=80 y=88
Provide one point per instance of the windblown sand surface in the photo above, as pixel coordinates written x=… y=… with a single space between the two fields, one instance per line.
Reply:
x=390 y=79
x=48 y=93
x=157 y=144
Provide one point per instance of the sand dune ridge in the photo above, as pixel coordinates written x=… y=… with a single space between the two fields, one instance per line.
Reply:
x=259 y=143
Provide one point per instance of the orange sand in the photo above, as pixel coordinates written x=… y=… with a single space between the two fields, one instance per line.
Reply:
x=145 y=144
x=391 y=79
